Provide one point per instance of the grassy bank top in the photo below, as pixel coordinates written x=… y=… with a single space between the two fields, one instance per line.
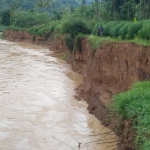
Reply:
x=114 y=31
x=134 y=105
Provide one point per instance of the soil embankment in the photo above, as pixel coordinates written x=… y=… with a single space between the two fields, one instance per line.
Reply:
x=110 y=69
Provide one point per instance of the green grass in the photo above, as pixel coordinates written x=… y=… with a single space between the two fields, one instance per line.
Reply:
x=63 y=56
x=135 y=105
x=16 y=28
x=141 y=42
x=96 y=41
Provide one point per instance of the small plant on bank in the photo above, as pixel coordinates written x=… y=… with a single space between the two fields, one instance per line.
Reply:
x=63 y=56
x=78 y=42
x=69 y=42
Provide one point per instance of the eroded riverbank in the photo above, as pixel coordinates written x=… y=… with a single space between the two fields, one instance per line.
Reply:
x=38 y=108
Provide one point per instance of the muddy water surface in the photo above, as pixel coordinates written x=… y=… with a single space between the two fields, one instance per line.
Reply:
x=38 y=110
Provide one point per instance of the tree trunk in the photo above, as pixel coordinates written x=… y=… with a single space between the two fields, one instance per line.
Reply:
x=97 y=10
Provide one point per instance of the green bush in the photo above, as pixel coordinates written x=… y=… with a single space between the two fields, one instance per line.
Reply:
x=115 y=29
x=133 y=29
x=124 y=30
x=45 y=30
x=135 y=105
x=112 y=29
x=109 y=28
x=144 y=33
x=29 y=19
x=74 y=27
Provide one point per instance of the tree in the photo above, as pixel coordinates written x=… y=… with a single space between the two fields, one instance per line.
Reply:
x=44 y=3
x=97 y=10
x=5 y=18
x=83 y=2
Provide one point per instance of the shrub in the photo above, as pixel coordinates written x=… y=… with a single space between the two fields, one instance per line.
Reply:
x=5 y=18
x=124 y=30
x=135 y=105
x=109 y=28
x=144 y=33
x=29 y=19
x=133 y=29
x=74 y=27
x=45 y=30
x=112 y=29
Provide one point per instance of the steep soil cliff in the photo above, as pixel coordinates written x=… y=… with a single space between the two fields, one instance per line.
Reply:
x=110 y=69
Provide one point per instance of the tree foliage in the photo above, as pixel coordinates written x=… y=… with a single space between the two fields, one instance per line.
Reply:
x=74 y=27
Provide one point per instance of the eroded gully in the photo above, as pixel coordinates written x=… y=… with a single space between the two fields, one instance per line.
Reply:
x=38 y=110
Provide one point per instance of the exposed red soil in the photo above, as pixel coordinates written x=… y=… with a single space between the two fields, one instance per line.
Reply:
x=110 y=69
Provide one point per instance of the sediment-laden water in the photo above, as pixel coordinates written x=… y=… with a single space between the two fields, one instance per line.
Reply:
x=38 y=110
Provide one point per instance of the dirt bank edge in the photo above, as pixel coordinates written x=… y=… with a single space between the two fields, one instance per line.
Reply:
x=108 y=70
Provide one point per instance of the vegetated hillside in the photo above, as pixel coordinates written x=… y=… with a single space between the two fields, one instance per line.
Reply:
x=28 y=4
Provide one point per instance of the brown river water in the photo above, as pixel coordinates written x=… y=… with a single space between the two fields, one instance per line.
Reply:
x=38 y=110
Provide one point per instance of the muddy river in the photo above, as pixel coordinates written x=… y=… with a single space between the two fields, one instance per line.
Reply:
x=38 y=110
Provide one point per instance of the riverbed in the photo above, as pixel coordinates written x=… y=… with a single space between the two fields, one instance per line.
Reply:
x=39 y=110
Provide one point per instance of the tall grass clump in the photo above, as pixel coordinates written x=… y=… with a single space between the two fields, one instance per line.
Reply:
x=78 y=42
x=135 y=105
x=95 y=41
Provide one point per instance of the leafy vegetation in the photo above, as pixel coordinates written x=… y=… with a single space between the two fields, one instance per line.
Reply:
x=78 y=19
x=135 y=105
x=95 y=41
x=74 y=27
x=125 y=29
x=28 y=19
x=63 y=56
